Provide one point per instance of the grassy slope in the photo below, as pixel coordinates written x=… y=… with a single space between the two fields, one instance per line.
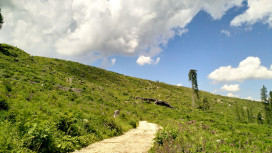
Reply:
x=41 y=111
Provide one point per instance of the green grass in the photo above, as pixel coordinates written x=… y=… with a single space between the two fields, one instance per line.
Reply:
x=52 y=105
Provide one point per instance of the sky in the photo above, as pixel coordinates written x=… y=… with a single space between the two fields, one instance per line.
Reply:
x=228 y=42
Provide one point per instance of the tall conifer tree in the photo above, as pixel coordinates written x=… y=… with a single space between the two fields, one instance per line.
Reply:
x=193 y=79
x=1 y=19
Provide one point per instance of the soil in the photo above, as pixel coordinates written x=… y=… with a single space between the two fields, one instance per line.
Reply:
x=138 y=140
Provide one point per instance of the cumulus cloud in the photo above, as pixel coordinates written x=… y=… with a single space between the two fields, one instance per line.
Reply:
x=258 y=11
x=232 y=95
x=113 y=60
x=225 y=32
x=249 y=98
x=250 y=68
x=101 y=28
x=231 y=87
x=142 y=60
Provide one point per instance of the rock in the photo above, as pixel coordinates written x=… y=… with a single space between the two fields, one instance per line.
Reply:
x=163 y=103
x=69 y=80
x=85 y=121
x=156 y=102
x=116 y=113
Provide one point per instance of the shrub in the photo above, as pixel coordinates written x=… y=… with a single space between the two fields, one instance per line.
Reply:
x=260 y=118
x=65 y=122
x=8 y=86
x=116 y=129
x=133 y=123
x=6 y=52
x=38 y=137
x=3 y=104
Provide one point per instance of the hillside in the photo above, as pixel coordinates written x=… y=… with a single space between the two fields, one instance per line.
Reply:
x=52 y=105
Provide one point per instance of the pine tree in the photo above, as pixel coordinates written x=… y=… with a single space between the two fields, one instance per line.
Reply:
x=264 y=94
x=193 y=79
x=268 y=109
x=1 y=19
x=267 y=104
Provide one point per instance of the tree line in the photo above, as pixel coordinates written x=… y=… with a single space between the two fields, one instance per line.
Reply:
x=267 y=102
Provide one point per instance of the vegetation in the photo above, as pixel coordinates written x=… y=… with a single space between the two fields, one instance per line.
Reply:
x=264 y=94
x=1 y=19
x=52 y=105
x=193 y=79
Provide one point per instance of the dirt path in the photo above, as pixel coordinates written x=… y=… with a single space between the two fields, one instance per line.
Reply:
x=138 y=140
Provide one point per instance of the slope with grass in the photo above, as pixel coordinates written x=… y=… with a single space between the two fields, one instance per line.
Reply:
x=52 y=105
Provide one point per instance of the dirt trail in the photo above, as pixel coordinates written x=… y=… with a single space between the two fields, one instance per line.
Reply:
x=138 y=140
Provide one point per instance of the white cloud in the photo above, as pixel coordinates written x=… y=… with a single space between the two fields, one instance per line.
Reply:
x=232 y=95
x=157 y=61
x=258 y=11
x=249 y=98
x=142 y=60
x=101 y=28
x=225 y=32
x=231 y=87
x=113 y=60
x=250 y=68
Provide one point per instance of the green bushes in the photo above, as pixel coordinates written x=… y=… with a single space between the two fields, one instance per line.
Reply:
x=133 y=123
x=166 y=135
x=3 y=104
x=39 y=137
x=196 y=136
x=7 y=85
x=65 y=124
x=6 y=52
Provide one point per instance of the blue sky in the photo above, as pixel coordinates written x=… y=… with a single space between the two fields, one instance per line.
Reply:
x=205 y=49
x=228 y=42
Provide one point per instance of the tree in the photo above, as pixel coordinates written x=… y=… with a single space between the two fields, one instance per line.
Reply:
x=268 y=109
x=264 y=94
x=267 y=104
x=193 y=79
x=1 y=19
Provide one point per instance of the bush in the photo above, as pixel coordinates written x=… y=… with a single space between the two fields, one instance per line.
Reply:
x=39 y=137
x=3 y=104
x=166 y=134
x=260 y=118
x=65 y=122
x=8 y=86
x=6 y=52
x=115 y=128
x=133 y=123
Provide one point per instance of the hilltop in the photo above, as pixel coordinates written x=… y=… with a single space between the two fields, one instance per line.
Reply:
x=53 y=105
